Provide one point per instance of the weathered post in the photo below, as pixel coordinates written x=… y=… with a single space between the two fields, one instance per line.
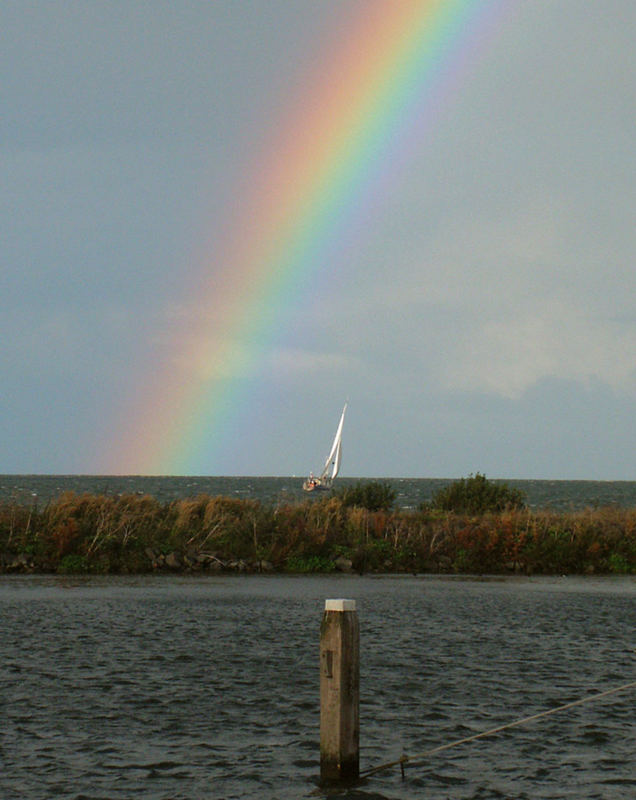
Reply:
x=339 y=692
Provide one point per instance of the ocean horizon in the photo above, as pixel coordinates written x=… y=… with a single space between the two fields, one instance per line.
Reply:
x=555 y=494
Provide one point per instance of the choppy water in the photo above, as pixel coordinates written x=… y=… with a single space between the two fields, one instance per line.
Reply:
x=410 y=492
x=177 y=687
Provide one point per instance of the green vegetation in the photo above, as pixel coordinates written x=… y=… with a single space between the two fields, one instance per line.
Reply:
x=372 y=495
x=477 y=495
x=350 y=532
x=304 y=564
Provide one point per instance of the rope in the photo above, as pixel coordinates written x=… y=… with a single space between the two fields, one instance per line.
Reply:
x=403 y=760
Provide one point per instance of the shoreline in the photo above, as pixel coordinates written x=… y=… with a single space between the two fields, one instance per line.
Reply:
x=136 y=535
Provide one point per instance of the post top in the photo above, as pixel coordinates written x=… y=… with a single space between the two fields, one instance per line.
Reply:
x=340 y=604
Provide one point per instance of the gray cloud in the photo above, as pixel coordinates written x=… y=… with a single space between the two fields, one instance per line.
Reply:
x=477 y=310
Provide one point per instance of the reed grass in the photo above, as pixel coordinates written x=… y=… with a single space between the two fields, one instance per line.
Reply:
x=136 y=534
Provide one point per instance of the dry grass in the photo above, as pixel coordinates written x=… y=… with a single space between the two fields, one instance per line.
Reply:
x=97 y=533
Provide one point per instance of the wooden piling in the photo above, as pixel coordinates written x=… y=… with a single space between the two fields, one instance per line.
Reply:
x=339 y=692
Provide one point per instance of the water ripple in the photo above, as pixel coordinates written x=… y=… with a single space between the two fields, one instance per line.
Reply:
x=168 y=688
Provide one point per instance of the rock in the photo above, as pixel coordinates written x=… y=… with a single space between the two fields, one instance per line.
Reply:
x=20 y=563
x=210 y=561
x=265 y=566
x=343 y=564
x=173 y=560
x=155 y=557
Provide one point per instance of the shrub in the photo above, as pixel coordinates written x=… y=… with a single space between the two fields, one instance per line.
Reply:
x=72 y=564
x=477 y=495
x=306 y=564
x=372 y=495
x=619 y=565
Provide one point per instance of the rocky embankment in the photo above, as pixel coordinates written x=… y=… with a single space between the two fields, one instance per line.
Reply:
x=197 y=561
x=174 y=561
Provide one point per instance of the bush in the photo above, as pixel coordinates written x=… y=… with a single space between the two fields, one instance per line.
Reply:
x=72 y=564
x=373 y=495
x=619 y=565
x=306 y=564
x=477 y=495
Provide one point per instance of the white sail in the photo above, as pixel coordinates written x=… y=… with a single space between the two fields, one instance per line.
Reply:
x=332 y=464
x=335 y=455
x=336 y=461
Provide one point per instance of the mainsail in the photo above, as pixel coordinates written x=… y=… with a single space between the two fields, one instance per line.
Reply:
x=335 y=454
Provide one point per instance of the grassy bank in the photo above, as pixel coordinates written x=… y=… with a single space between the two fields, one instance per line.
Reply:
x=132 y=534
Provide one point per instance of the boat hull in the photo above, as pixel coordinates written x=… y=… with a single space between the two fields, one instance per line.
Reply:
x=316 y=485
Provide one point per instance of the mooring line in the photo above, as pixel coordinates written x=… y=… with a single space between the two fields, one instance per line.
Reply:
x=412 y=760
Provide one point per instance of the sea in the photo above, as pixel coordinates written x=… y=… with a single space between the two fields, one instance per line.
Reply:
x=558 y=495
x=182 y=687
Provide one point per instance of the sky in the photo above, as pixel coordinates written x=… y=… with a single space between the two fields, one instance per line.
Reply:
x=471 y=292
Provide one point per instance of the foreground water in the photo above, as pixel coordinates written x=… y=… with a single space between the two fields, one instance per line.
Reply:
x=410 y=492
x=153 y=687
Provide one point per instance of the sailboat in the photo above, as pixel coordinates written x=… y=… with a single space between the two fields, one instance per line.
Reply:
x=332 y=464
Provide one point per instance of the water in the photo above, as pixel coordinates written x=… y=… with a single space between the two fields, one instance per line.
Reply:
x=176 y=687
x=410 y=492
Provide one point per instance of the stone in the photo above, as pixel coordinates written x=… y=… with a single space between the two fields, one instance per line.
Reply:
x=343 y=564
x=173 y=560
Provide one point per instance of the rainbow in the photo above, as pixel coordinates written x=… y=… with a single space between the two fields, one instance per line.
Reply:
x=380 y=87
